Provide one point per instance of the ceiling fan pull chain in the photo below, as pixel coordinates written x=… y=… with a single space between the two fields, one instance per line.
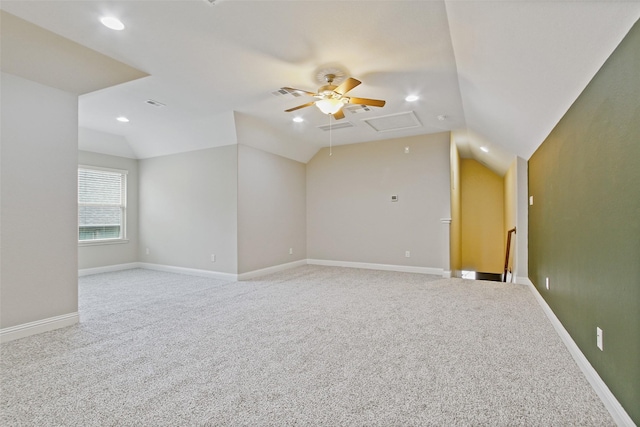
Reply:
x=330 y=137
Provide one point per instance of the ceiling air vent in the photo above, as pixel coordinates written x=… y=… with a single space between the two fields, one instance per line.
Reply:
x=287 y=93
x=392 y=122
x=355 y=109
x=155 y=103
x=341 y=125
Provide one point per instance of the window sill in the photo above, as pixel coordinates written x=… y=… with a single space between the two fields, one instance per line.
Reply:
x=102 y=242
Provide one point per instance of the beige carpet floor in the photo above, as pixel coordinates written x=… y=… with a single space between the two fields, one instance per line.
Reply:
x=318 y=346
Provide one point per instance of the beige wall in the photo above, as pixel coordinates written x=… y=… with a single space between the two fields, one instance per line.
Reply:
x=482 y=219
x=271 y=210
x=510 y=197
x=39 y=159
x=188 y=209
x=92 y=256
x=350 y=216
x=455 y=231
x=245 y=206
x=521 y=263
x=516 y=204
x=511 y=210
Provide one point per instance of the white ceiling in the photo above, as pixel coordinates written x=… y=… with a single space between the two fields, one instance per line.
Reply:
x=501 y=72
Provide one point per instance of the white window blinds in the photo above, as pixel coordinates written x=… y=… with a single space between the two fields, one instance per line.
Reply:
x=101 y=204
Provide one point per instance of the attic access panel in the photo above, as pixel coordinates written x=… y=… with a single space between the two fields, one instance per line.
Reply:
x=393 y=122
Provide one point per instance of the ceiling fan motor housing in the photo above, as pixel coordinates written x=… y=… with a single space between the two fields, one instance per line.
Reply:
x=328 y=89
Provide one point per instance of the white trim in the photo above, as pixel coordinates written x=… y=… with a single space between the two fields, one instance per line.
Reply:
x=616 y=410
x=189 y=271
x=102 y=242
x=384 y=267
x=273 y=269
x=103 y=169
x=38 y=327
x=263 y=271
x=108 y=269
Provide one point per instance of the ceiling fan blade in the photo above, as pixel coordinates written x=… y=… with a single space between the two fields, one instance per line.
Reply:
x=308 y=104
x=367 y=101
x=292 y=89
x=338 y=114
x=347 y=85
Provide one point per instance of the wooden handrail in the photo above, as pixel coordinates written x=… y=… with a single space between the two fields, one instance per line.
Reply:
x=506 y=258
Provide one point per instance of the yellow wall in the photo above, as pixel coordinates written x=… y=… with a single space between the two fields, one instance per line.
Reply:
x=482 y=218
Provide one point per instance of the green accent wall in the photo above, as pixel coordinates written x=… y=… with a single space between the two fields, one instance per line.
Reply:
x=584 y=226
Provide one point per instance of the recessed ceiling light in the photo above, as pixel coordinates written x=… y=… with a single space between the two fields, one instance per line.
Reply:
x=298 y=119
x=123 y=119
x=111 y=22
x=412 y=98
x=485 y=149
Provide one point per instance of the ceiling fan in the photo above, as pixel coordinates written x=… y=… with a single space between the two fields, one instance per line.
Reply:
x=332 y=98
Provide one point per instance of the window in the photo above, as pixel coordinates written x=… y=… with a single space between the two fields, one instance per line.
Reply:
x=102 y=200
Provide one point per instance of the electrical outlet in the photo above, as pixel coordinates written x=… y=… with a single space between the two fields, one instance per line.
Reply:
x=599 y=339
x=213 y=257
x=546 y=283
x=531 y=200
x=290 y=251
x=406 y=150
x=407 y=254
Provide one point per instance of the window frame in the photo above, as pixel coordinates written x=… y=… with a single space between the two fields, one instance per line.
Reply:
x=123 y=206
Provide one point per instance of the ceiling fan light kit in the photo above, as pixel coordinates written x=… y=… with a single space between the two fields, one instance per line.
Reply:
x=330 y=105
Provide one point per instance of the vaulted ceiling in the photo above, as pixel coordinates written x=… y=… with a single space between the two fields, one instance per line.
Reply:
x=499 y=74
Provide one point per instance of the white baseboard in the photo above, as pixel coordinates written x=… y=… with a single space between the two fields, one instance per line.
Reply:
x=189 y=271
x=616 y=410
x=273 y=269
x=108 y=269
x=257 y=273
x=384 y=267
x=38 y=327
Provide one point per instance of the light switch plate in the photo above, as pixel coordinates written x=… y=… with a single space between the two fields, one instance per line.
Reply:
x=599 y=339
